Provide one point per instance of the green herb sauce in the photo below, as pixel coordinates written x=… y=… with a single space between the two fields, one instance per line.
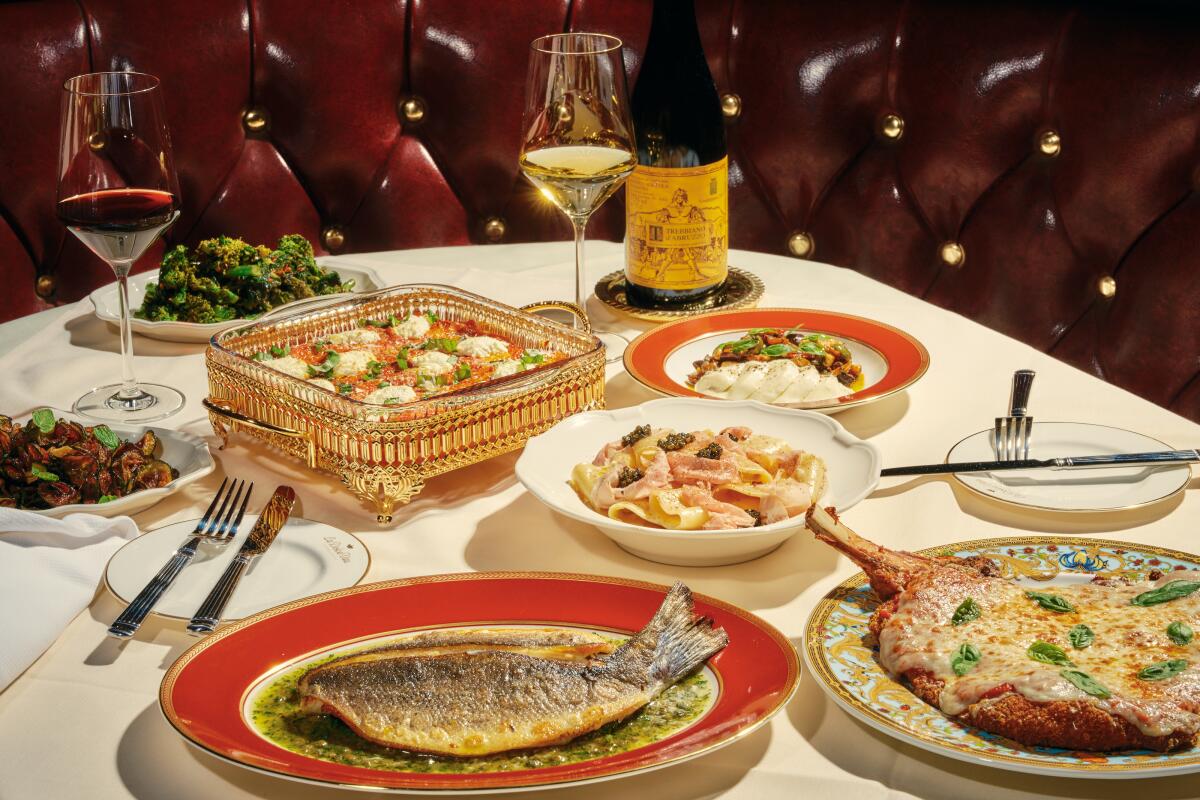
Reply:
x=277 y=716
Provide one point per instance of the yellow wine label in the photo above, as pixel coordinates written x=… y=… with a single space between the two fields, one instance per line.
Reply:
x=677 y=226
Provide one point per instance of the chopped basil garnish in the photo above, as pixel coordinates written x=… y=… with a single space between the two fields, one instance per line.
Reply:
x=1048 y=653
x=776 y=350
x=279 y=352
x=965 y=659
x=432 y=317
x=402 y=358
x=106 y=437
x=325 y=367
x=528 y=358
x=373 y=368
x=1162 y=670
x=1081 y=636
x=1172 y=590
x=1181 y=633
x=1086 y=683
x=462 y=371
x=43 y=418
x=967 y=610
x=1051 y=602
x=106 y=498
x=446 y=345
x=345 y=388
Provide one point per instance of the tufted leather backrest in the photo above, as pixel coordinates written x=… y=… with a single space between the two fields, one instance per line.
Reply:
x=1032 y=165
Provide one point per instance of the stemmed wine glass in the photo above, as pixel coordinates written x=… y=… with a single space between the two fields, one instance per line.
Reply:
x=117 y=192
x=578 y=144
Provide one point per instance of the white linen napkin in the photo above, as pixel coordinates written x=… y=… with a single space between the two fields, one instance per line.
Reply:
x=49 y=569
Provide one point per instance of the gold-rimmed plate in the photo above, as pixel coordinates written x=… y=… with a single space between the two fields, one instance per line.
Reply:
x=208 y=695
x=839 y=656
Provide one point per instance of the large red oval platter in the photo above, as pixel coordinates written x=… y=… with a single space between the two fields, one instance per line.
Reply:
x=204 y=693
x=892 y=360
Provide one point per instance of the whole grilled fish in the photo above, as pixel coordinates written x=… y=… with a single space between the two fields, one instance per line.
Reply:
x=476 y=692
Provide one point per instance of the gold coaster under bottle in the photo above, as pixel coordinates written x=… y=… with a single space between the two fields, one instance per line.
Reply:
x=742 y=290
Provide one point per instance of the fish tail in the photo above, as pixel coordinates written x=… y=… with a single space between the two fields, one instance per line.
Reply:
x=673 y=643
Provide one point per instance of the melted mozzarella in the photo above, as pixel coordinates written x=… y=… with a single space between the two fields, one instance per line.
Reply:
x=920 y=636
x=324 y=384
x=428 y=358
x=391 y=395
x=414 y=327
x=354 y=338
x=288 y=365
x=509 y=366
x=482 y=346
x=777 y=381
x=352 y=362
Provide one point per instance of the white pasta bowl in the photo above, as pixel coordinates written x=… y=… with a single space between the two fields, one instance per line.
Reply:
x=545 y=466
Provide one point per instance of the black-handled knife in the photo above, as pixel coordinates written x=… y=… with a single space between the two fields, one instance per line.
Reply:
x=1164 y=457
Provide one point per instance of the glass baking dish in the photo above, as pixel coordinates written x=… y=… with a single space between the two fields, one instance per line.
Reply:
x=384 y=454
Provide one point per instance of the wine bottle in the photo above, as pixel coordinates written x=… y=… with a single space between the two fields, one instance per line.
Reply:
x=676 y=200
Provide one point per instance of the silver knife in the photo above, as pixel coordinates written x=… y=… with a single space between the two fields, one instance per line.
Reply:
x=1164 y=457
x=266 y=528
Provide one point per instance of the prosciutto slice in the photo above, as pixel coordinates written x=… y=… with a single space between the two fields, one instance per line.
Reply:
x=787 y=498
x=686 y=468
x=657 y=476
x=721 y=516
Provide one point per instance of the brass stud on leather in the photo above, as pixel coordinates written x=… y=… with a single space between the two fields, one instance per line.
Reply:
x=97 y=141
x=1107 y=286
x=413 y=109
x=1050 y=143
x=953 y=254
x=892 y=126
x=494 y=229
x=731 y=105
x=255 y=119
x=801 y=244
x=333 y=237
x=45 y=286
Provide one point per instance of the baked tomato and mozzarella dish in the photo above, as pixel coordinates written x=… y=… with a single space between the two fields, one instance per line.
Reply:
x=1105 y=665
x=778 y=366
x=700 y=480
x=398 y=360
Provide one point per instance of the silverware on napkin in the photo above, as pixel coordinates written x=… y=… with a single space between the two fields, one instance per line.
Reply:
x=219 y=528
x=270 y=522
x=1164 y=457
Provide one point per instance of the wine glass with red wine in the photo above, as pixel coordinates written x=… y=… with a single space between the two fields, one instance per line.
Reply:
x=117 y=192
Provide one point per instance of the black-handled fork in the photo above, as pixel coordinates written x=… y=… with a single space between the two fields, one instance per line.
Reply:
x=220 y=528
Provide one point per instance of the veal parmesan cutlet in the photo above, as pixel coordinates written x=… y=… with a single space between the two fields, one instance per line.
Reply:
x=1106 y=665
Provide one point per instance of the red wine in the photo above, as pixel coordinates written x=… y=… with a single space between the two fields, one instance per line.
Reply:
x=118 y=224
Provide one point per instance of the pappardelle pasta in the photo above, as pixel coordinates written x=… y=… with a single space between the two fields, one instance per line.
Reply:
x=700 y=480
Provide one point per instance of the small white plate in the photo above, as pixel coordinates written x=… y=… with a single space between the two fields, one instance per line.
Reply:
x=546 y=463
x=1088 y=490
x=188 y=454
x=108 y=309
x=307 y=558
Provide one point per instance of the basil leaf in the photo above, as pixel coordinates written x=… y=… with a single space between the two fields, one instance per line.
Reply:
x=432 y=317
x=326 y=366
x=41 y=473
x=967 y=610
x=1086 y=683
x=776 y=350
x=1172 y=590
x=965 y=659
x=43 y=418
x=1181 y=633
x=1048 y=653
x=462 y=372
x=753 y=331
x=106 y=437
x=1052 y=602
x=1162 y=670
x=528 y=358
x=106 y=498
x=446 y=345
x=345 y=388
x=1081 y=636
x=279 y=352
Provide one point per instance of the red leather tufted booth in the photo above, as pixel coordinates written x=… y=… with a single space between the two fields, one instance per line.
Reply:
x=1032 y=165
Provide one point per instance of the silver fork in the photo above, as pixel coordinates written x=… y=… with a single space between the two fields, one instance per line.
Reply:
x=1012 y=434
x=219 y=528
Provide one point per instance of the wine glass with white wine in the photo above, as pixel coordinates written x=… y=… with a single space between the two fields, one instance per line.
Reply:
x=578 y=143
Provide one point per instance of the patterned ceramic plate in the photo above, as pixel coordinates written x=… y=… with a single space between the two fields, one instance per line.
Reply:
x=222 y=691
x=848 y=671
x=891 y=360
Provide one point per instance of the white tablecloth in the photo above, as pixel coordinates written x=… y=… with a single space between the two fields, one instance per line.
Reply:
x=84 y=722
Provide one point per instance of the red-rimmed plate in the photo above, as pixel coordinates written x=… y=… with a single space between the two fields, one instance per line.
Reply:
x=661 y=359
x=207 y=694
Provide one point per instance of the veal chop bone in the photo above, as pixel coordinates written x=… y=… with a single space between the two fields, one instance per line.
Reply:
x=1132 y=685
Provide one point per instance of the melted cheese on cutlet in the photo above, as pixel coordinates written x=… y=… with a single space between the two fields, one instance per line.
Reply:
x=920 y=636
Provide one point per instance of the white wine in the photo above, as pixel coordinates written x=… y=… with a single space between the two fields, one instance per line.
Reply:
x=676 y=201
x=577 y=178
